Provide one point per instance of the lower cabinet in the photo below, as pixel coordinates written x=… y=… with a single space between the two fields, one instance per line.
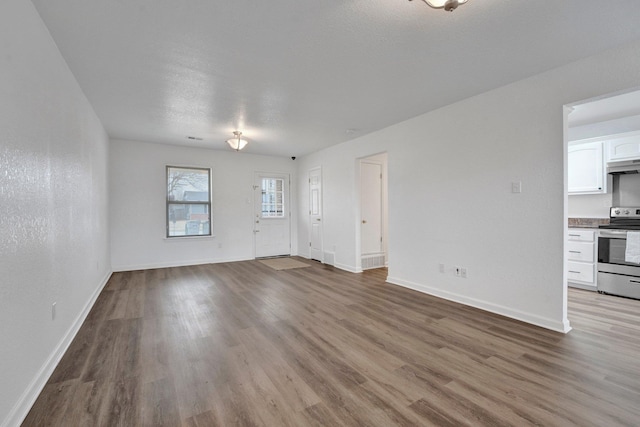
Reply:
x=582 y=247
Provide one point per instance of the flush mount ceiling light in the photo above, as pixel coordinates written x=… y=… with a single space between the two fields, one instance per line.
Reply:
x=236 y=142
x=448 y=5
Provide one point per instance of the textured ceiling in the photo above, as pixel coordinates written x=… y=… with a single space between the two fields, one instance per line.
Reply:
x=296 y=76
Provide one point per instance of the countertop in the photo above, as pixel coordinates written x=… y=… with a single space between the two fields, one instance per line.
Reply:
x=587 y=222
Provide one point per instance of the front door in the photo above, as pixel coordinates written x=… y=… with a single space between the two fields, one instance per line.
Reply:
x=272 y=216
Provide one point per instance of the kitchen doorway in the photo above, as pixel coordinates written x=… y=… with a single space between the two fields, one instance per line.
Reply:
x=598 y=133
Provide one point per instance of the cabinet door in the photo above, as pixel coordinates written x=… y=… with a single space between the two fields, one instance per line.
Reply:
x=586 y=169
x=627 y=148
x=581 y=272
x=581 y=235
x=581 y=251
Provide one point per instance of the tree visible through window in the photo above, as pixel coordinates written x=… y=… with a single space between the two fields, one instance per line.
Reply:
x=272 y=197
x=188 y=201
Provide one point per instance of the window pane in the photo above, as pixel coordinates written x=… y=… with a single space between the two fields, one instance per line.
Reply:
x=273 y=197
x=188 y=201
x=187 y=219
x=185 y=184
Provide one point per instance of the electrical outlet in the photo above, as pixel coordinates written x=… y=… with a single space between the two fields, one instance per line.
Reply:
x=516 y=187
x=53 y=311
x=463 y=272
x=441 y=267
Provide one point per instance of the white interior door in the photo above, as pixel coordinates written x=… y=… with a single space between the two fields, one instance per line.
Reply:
x=272 y=216
x=371 y=208
x=315 y=214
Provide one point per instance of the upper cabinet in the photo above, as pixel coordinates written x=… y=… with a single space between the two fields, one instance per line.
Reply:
x=625 y=147
x=586 y=171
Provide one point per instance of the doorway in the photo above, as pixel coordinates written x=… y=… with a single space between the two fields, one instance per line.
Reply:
x=373 y=211
x=272 y=215
x=597 y=132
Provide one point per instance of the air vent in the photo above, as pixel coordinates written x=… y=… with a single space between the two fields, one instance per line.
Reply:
x=329 y=258
x=372 y=261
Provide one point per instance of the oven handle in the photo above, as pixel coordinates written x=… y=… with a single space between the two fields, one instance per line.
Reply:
x=613 y=234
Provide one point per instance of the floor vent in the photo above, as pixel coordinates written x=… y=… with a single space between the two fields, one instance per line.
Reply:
x=372 y=261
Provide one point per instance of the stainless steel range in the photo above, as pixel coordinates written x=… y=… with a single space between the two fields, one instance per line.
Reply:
x=619 y=253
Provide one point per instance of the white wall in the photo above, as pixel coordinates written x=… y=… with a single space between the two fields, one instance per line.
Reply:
x=627 y=190
x=137 y=202
x=590 y=205
x=54 y=228
x=450 y=200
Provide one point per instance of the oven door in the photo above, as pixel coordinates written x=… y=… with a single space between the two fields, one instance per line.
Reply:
x=612 y=245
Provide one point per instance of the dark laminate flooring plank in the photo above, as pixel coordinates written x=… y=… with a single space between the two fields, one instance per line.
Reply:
x=260 y=352
x=240 y=344
x=204 y=419
x=122 y=404
x=52 y=404
x=319 y=415
x=87 y=404
x=78 y=354
x=158 y=404
x=135 y=302
x=103 y=358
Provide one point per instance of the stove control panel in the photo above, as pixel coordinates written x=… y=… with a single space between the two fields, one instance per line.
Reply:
x=625 y=212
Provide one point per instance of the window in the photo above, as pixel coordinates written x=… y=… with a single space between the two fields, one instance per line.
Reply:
x=273 y=198
x=188 y=201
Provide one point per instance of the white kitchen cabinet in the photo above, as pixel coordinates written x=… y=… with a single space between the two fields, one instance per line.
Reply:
x=581 y=248
x=625 y=147
x=585 y=168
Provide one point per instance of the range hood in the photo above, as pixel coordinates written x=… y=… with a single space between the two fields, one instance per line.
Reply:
x=625 y=166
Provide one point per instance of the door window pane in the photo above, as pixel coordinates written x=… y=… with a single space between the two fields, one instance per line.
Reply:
x=273 y=198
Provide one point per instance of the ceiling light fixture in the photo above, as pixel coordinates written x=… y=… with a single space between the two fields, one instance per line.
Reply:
x=237 y=143
x=448 y=5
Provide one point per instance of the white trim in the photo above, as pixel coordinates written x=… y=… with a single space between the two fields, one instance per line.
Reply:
x=543 y=322
x=188 y=238
x=348 y=268
x=22 y=407
x=603 y=138
x=120 y=268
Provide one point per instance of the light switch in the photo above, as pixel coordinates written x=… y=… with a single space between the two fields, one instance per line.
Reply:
x=516 y=187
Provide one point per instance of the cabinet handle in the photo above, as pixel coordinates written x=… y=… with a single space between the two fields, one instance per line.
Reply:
x=574 y=235
x=575 y=252
x=576 y=272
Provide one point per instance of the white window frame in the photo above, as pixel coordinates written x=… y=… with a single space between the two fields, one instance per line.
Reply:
x=202 y=228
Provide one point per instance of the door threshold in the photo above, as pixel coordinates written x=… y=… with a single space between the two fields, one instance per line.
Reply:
x=273 y=256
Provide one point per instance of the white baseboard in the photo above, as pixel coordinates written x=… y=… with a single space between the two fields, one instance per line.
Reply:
x=543 y=322
x=120 y=268
x=348 y=268
x=27 y=399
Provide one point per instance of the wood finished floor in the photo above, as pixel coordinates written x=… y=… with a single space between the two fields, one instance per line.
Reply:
x=242 y=344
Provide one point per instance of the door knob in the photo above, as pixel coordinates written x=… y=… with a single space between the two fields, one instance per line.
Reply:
x=317 y=219
x=364 y=222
